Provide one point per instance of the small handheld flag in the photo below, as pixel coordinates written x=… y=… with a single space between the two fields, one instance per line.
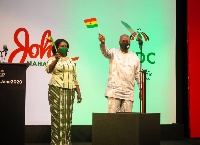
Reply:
x=50 y=40
x=92 y=23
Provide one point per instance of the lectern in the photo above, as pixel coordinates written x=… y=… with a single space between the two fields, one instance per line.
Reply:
x=126 y=129
x=12 y=103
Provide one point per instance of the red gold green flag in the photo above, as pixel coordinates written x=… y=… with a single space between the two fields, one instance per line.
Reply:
x=91 y=22
x=50 y=40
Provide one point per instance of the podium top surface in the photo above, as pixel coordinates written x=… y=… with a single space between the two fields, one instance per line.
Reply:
x=15 y=64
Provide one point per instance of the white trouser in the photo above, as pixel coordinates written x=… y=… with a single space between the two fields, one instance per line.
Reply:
x=119 y=105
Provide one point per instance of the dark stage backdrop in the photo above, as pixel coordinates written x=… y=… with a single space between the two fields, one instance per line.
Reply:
x=181 y=66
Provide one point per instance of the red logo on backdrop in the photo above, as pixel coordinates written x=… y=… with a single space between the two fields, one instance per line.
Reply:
x=27 y=49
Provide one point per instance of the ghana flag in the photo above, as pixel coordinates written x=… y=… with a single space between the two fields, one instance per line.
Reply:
x=91 y=23
x=50 y=40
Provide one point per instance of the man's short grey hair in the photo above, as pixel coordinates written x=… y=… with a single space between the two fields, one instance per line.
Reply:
x=123 y=36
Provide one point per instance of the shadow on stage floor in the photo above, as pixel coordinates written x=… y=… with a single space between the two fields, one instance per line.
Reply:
x=167 y=142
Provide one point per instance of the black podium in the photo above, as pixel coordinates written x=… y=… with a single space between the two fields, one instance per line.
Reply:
x=12 y=103
x=126 y=129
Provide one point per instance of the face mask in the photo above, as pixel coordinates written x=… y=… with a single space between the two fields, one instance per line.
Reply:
x=124 y=45
x=63 y=51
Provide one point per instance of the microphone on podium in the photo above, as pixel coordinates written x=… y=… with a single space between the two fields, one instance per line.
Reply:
x=5 y=49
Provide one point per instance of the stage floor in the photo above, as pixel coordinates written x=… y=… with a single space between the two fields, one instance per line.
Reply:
x=167 y=142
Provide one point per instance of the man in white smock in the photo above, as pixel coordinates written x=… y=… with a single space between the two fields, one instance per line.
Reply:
x=124 y=69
